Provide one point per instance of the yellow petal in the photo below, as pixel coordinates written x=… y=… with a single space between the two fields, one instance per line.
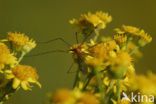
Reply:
x=25 y=85
x=8 y=71
x=10 y=76
x=38 y=83
x=16 y=83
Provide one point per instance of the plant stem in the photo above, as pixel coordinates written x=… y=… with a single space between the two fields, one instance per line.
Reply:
x=100 y=84
x=76 y=78
x=136 y=48
x=89 y=77
x=21 y=57
x=128 y=43
x=118 y=89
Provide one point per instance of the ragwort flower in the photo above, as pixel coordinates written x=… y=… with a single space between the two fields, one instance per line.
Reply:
x=88 y=22
x=6 y=58
x=22 y=75
x=120 y=38
x=21 y=42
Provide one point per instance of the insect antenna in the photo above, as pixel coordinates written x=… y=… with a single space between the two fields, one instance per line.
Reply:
x=55 y=39
x=47 y=52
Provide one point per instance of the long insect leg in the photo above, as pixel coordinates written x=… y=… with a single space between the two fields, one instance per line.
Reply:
x=70 y=68
x=47 y=52
x=52 y=40
x=76 y=35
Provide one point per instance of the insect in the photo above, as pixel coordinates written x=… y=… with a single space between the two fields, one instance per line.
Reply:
x=76 y=51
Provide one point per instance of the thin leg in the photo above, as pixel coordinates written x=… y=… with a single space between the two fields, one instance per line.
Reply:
x=47 y=52
x=77 y=40
x=52 y=40
x=70 y=68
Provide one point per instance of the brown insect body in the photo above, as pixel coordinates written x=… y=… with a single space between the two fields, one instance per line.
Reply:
x=80 y=59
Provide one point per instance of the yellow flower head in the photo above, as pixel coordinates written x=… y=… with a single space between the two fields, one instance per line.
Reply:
x=137 y=32
x=92 y=21
x=123 y=58
x=99 y=53
x=88 y=99
x=145 y=36
x=131 y=30
x=104 y=16
x=63 y=96
x=7 y=59
x=93 y=61
x=99 y=50
x=143 y=84
x=4 y=49
x=22 y=75
x=21 y=41
x=66 y=96
x=111 y=45
x=120 y=38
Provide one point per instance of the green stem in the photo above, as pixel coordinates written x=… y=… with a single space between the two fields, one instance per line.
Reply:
x=128 y=43
x=108 y=95
x=100 y=83
x=7 y=90
x=76 y=78
x=136 y=48
x=21 y=57
x=7 y=87
x=111 y=84
x=89 y=77
x=118 y=89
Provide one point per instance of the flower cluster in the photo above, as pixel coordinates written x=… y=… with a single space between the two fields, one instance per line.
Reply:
x=14 y=75
x=106 y=66
x=66 y=96
x=91 y=22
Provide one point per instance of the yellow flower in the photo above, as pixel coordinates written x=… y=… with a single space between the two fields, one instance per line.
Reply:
x=123 y=58
x=119 y=64
x=63 y=96
x=111 y=45
x=4 y=49
x=88 y=99
x=7 y=59
x=94 y=19
x=22 y=75
x=145 y=36
x=131 y=30
x=93 y=61
x=90 y=21
x=104 y=16
x=99 y=51
x=21 y=41
x=144 y=84
x=137 y=32
x=120 y=38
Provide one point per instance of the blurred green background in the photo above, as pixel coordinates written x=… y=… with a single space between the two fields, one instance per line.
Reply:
x=48 y=19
